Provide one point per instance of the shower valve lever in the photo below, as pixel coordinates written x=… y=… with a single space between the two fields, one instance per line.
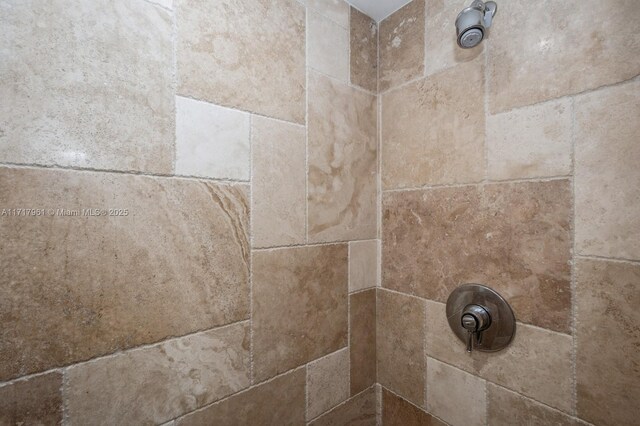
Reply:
x=475 y=319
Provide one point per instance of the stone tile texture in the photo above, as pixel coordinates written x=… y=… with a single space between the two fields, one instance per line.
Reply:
x=327 y=382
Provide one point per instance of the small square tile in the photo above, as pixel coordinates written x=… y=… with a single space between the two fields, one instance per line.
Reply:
x=364 y=51
x=35 y=401
x=362 y=339
x=328 y=47
x=335 y=10
x=327 y=382
x=363 y=264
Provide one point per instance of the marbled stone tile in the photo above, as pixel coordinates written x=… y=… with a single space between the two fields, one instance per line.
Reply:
x=400 y=331
x=506 y=408
x=441 y=48
x=76 y=92
x=402 y=46
x=35 y=401
x=364 y=51
x=537 y=363
x=168 y=4
x=555 y=43
x=531 y=142
x=608 y=338
x=362 y=339
x=336 y=10
x=277 y=402
x=399 y=412
x=244 y=54
x=433 y=130
x=607 y=176
x=357 y=411
x=211 y=141
x=327 y=382
x=455 y=396
x=342 y=161
x=278 y=211
x=299 y=306
x=83 y=286
x=363 y=264
x=513 y=237
x=158 y=383
x=328 y=47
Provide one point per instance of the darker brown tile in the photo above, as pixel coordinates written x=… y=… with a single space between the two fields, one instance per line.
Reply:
x=277 y=402
x=81 y=286
x=513 y=237
x=364 y=51
x=36 y=401
x=398 y=412
x=608 y=338
x=358 y=411
x=362 y=344
x=299 y=306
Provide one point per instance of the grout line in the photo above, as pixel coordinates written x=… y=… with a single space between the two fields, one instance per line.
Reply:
x=251 y=241
x=64 y=393
x=607 y=259
x=486 y=111
x=174 y=52
x=306 y=128
x=311 y=244
x=480 y=183
x=574 y=307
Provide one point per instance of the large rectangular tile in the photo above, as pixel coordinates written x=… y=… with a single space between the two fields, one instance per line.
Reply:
x=175 y=261
x=364 y=51
x=362 y=339
x=35 y=401
x=556 y=43
x=158 y=383
x=87 y=86
x=399 y=412
x=607 y=176
x=299 y=306
x=244 y=54
x=513 y=237
x=357 y=411
x=363 y=264
x=608 y=338
x=336 y=10
x=327 y=47
x=433 y=130
x=327 y=382
x=342 y=161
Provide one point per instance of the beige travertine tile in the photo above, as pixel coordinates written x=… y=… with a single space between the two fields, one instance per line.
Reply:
x=364 y=51
x=299 y=306
x=342 y=161
x=543 y=53
x=279 y=187
x=211 y=141
x=506 y=408
x=158 y=383
x=164 y=3
x=400 y=331
x=513 y=237
x=441 y=48
x=328 y=47
x=531 y=142
x=277 y=402
x=433 y=130
x=398 y=412
x=363 y=264
x=607 y=176
x=358 y=411
x=537 y=363
x=608 y=338
x=402 y=46
x=35 y=401
x=90 y=285
x=75 y=92
x=226 y=51
x=455 y=396
x=362 y=339
x=336 y=10
x=327 y=382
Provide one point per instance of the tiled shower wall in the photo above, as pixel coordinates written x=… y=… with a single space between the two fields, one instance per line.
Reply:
x=201 y=245
x=513 y=165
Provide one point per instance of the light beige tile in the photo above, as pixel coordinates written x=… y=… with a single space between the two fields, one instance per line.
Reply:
x=358 y=411
x=537 y=363
x=363 y=264
x=433 y=130
x=299 y=306
x=608 y=338
x=402 y=46
x=35 y=401
x=164 y=3
x=364 y=51
x=327 y=382
x=399 y=412
x=531 y=142
x=455 y=396
x=91 y=285
x=607 y=174
x=328 y=47
x=76 y=92
x=245 y=54
x=342 y=162
x=211 y=141
x=362 y=339
x=336 y=10
x=544 y=52
x=158 y=383
x=278 y=182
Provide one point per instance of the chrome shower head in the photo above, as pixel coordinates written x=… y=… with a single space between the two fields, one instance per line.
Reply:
x=473 y=22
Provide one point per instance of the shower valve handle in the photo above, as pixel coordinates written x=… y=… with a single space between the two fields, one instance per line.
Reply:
x=475 y=319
